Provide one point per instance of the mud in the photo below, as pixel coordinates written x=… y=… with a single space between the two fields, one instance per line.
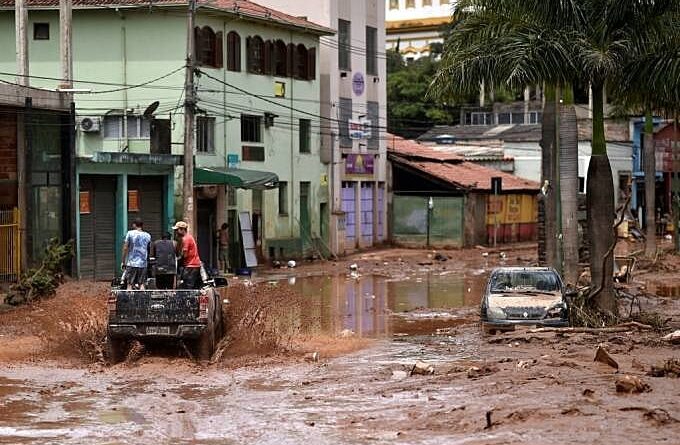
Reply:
x=519 y=387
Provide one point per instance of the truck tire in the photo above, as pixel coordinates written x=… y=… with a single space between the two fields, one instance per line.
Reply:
x=206 y=344
x=116 y=350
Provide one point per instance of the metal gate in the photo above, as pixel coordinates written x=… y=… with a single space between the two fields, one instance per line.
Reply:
x=367 y=213
x=349 y=207
x=98 y=227
x=10 y=246
x=381 y=213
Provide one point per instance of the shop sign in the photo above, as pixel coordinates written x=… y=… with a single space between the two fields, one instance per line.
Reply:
x=359 y=164
x=358 y=84
x=84 y=200
x=136 y=158
x=232 y=160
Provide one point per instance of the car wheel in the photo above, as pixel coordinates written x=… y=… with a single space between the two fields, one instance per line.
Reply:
x=206 y=344
x=116 y=350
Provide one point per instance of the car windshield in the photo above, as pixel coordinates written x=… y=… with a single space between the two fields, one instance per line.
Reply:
x=525 y=281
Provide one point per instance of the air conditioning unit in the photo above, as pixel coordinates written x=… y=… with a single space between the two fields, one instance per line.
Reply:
x=89 y=124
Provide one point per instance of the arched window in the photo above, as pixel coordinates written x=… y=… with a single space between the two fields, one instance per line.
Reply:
x=255 y=49
x=280 y=59
x=208 y=47
x=233 y=51
x=301 y=62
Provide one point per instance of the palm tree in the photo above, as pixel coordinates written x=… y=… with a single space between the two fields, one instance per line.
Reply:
x=559 y=42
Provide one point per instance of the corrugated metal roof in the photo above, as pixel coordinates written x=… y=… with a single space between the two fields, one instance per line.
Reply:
x=470 y=175
x=451 y=167
x=244 y=8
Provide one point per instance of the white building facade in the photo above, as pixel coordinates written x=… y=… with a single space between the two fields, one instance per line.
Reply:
x=353 y=116
x=414 y=25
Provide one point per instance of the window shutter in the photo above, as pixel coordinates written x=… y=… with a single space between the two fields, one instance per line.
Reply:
x=290 y=62
x=267 y=59
x=219 y=51
x=249 y=54
x=198 y=44
x=311 y=64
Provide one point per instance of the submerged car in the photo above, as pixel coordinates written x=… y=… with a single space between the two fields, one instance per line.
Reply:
x=533 y=296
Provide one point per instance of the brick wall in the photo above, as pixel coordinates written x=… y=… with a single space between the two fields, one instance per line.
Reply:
x=8 y=159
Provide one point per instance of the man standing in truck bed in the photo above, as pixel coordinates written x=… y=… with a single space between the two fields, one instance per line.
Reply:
x=165 y=267
x=135 y=255
x=190 y=261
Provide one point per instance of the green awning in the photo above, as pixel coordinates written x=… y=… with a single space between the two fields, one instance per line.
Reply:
x=235 y=177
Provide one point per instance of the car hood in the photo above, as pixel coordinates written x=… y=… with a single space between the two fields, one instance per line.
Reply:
x=510 y=300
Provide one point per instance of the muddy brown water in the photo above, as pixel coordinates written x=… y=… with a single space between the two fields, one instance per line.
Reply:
x=376 y=306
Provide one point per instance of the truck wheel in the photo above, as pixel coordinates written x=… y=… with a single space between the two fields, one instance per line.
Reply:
x=115 y=350
x=206 y=344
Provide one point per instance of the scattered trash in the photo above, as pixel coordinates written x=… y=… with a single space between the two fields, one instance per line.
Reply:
x=485 y=254
x=526 y=364
x=439 y=257
x=588 y=392
x=345 y=333
x=422 y=368
x=312 y=357
x=673 y=337
x=475 y=372
x=292 y=264
x=631 y=384
x=602 y=356
x=489 y=423
x=399 y=374
x=353 y=267
x=502 y=255
x=669 y=368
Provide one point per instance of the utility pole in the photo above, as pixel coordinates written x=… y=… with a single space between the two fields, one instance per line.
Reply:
x=20 y=20
x=189 y=103
x=65 y=43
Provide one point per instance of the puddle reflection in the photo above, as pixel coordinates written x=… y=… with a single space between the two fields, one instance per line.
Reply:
x=363 y=304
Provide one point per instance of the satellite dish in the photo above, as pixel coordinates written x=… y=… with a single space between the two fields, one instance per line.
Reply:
x=148 y=113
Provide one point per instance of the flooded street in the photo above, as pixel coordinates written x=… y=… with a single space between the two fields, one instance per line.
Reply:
x=370 y=328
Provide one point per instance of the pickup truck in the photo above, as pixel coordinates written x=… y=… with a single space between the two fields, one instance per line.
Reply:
x=194 y=316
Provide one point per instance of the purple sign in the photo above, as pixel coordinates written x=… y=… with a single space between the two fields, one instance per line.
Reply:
x=359 y=164
x=358 y=84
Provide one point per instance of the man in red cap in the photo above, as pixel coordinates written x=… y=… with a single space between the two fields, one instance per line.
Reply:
x=187 y=250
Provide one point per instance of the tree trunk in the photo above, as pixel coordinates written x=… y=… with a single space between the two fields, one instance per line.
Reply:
x=569 y=192
x=601 y=212
x=548 y=155
x=650 y=186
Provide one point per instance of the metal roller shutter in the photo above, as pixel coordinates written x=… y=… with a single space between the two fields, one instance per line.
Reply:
x=150 y=203
x=98 y=228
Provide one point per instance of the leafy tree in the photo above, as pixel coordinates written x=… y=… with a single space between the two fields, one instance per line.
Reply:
x=561 y=42
x=409 y=112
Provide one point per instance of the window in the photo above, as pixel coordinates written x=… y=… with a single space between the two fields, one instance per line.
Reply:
x=344 y=45
x=481 y=118
x=41 y=31
x=503 y=118
x=517 y=118
x=233 y=51
x=373 y=115
x=535 y=117
x=113 y=126
x=251 y=128
x=394 y=4
x=280 y=59
x=208 y=47
x=283 y=198
x=427 y=2
x=305 y=135
x=205 y=134
x=345 y=112
x=255 y=50
x=249 y=153
x=581 y=184
x=371 y=51
x=301 y=62
x=138 y=127
x=410 y=3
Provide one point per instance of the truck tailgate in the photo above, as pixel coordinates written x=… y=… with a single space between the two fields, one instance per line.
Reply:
x=155 y=306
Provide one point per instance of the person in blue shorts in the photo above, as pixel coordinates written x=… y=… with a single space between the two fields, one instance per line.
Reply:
x=136 y=255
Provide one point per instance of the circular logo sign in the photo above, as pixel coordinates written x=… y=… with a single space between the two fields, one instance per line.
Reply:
x=358 y=84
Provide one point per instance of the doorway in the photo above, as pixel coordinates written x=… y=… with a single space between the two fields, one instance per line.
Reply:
x=305 y=221
x=206 y=231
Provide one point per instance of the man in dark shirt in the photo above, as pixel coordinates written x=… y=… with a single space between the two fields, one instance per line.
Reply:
x=165 y=268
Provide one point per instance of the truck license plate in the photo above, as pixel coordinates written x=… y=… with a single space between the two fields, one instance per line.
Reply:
x=158 y=330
